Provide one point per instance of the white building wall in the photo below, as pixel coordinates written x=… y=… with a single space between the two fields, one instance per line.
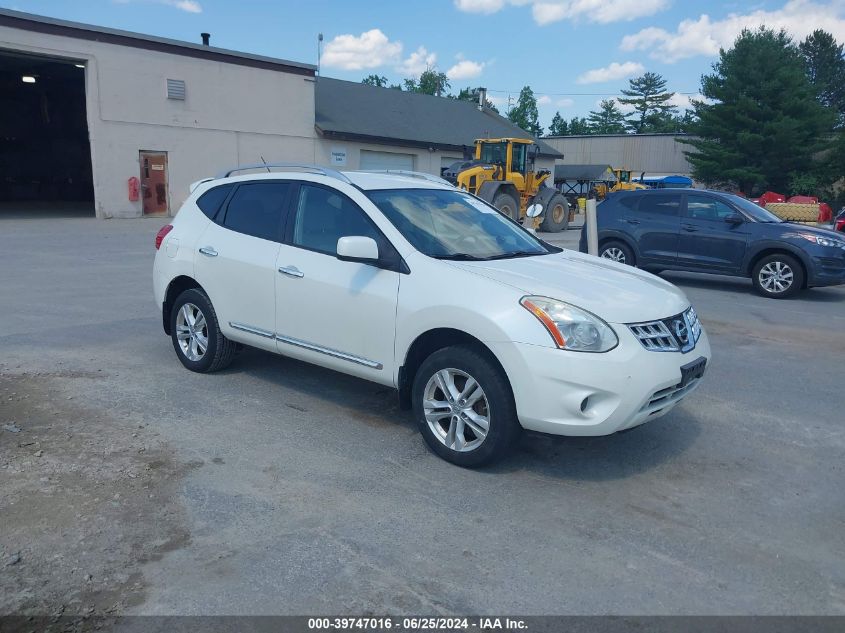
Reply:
x=655 y=154
x=232 y=114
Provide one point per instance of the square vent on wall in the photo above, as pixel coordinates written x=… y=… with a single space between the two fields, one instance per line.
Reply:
x=176 y=89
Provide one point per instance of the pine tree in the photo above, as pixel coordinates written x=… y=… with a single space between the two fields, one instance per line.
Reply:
x=765 y=124
x=525 y=114
x=558 y=126
x=578 y=126
x=608 y=119
x=648 y=96
x=825 y=67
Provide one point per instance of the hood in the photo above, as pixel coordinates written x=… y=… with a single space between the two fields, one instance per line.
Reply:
x=614 y=292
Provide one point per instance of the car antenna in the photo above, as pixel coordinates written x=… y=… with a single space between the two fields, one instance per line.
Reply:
x=265 y=163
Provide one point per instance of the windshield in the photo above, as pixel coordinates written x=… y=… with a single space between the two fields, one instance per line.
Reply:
x=450 y=224
x=757 y=213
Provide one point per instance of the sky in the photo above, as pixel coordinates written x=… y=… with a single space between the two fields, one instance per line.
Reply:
x=573 y=53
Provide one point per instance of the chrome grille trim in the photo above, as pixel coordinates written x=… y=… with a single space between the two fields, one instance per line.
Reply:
x=679 y=333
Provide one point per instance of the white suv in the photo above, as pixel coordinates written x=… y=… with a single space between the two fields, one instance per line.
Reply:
x=406 y=281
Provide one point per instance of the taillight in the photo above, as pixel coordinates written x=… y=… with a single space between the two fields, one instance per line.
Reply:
x=840 y=225
x=162 y=233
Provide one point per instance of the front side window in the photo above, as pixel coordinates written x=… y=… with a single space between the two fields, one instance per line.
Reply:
x=661 y=204
x=757 y=213
x=706 y=208
x=323 y=216
x=494 y=153
x=449 y=224
x=256 y=209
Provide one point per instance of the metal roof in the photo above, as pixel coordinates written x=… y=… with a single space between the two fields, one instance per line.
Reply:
x=584 y=172
x=356 y=111
x=43 y=24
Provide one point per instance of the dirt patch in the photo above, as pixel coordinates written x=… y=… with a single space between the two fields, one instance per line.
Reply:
x=86 y=497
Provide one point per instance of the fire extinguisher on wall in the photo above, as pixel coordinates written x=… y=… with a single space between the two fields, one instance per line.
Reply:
x=134 y=186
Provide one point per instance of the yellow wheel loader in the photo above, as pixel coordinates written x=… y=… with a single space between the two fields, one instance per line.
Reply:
x=503 y=175
x=623 y=183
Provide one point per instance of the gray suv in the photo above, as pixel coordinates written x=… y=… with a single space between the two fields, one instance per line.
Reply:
x=713 y=232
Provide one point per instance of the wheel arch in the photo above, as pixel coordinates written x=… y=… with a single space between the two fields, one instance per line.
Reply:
x=177 y=286
x=429 y=342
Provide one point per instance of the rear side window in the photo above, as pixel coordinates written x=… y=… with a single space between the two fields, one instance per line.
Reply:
x=630 y=202
x=661 y=204
x=209 y=202
x=256 y=209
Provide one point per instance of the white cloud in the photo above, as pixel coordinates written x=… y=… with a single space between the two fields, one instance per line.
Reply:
x=371 y=49
x=479 y=6
x=548 y=11
x=611 y=73
x=189 y=6
x=565 y=103
x=544 y=100
x=417 y=62
x=704 y=36
x=465 y=69
x=684 y=102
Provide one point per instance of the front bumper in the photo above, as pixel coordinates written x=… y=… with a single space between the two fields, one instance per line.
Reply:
x=572 y=393
x=828 y=269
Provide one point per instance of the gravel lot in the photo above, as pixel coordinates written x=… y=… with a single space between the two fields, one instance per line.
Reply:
x=134 y=486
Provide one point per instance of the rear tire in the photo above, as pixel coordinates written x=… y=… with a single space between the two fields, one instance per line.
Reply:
x=479 y=395
x=618 y=252
x=196 y=336
x=556 y=215
x=506 y=205
x=778 y=276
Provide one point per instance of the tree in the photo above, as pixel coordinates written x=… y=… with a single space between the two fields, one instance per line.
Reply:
x=375 y=80
x=431 y=82
x=525 y=114
x=825 y=67
x=608 y=119
x=764 y=124
x=648 y=95
x=471 y=95
x=558 y=126
x=578 y=126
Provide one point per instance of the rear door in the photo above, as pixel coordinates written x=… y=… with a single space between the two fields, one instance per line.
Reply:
x=653 y=219
x=236 y=259
x=707 y=241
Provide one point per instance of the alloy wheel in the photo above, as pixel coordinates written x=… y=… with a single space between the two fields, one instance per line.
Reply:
x=456 y=409
x=776 y=277
x=614 y=254
x=192 y=332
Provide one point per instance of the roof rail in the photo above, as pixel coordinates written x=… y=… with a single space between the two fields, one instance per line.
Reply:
x=313 y=169
x=411 y=174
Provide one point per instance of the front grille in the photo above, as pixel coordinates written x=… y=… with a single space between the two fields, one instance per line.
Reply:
x=679 y=333
x=663 y=398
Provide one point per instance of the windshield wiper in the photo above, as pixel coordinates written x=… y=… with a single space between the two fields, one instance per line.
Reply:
x=461 y=257
x=517 y=254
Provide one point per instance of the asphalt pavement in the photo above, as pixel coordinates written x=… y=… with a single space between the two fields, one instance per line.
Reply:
x=292 y=489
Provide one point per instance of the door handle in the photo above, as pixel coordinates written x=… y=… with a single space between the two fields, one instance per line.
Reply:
x=689 y=228
x=208 y=251
x=291 y=271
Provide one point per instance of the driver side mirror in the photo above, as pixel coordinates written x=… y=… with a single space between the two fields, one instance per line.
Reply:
x=357 y=248
x=734 y=218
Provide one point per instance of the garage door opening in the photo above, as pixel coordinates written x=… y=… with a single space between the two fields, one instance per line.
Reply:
x=386 y=160
x=45 y=155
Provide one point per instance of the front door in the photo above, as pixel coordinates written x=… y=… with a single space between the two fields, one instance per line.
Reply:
x=707 y=241
x=154 y=183
x=334 y=313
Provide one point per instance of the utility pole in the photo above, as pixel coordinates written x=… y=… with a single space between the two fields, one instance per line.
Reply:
x=319 y=50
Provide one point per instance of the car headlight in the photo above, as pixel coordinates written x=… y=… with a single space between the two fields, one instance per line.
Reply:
x=571 y=327
x=822 y=240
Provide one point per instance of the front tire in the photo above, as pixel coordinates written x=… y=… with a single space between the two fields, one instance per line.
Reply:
x=778 y=276
x=507 y=205
x=556 y=216
x=618 y=252
x=195 y=332
x=464 y=407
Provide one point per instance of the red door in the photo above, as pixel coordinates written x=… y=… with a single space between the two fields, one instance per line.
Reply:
x=154 y=182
